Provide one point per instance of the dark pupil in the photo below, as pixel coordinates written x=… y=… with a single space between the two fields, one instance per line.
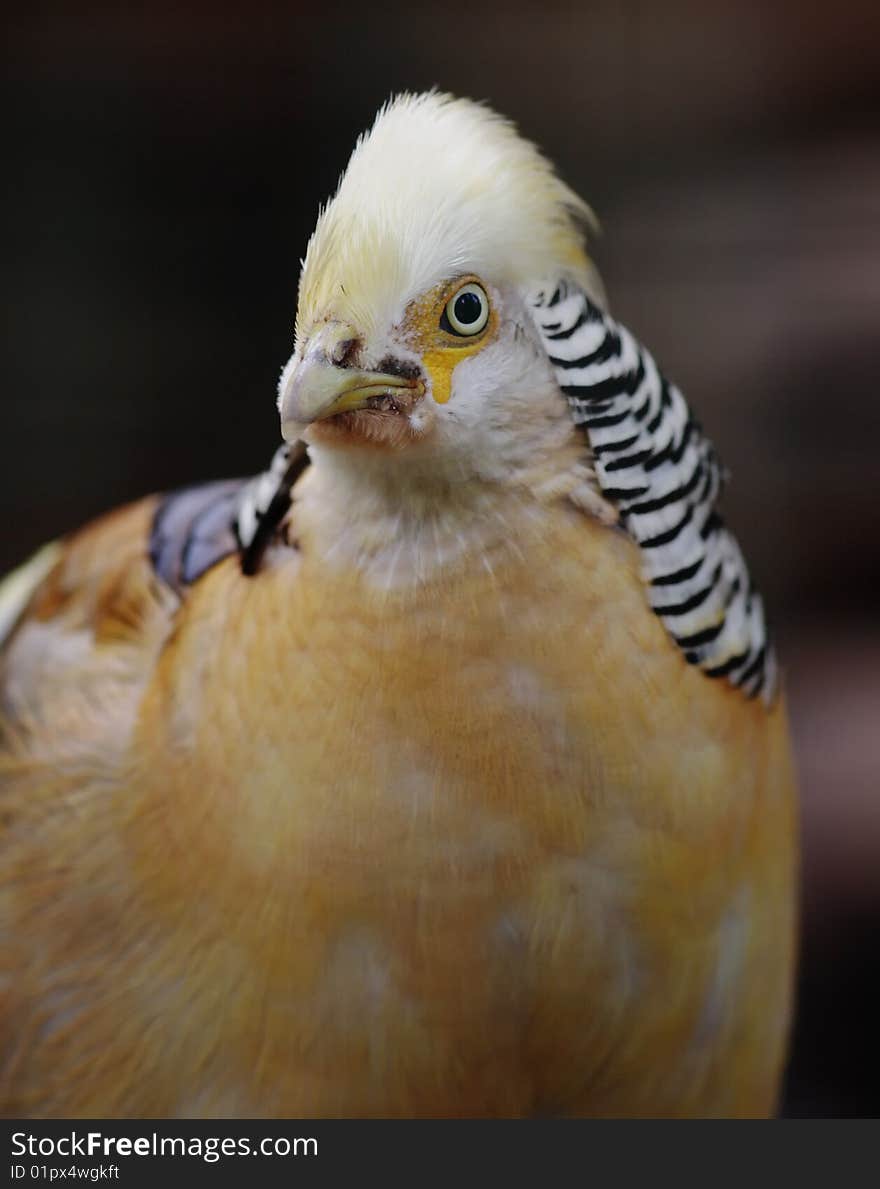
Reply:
x=468 y=308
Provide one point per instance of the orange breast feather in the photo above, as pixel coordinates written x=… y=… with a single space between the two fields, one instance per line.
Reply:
x=297 y=846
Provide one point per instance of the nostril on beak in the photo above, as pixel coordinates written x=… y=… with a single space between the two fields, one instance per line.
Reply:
x=343 y=352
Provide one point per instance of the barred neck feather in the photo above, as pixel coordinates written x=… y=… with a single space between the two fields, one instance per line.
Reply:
x=654 y=463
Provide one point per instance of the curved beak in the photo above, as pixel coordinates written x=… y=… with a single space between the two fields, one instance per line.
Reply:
x=315 y=387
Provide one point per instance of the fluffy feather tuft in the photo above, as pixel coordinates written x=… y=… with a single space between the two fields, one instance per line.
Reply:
x=440 y=186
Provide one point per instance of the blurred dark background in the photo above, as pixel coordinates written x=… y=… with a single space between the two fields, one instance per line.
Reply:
x=164 y=166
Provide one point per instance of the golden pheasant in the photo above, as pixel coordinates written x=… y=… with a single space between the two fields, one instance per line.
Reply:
x=440 y=771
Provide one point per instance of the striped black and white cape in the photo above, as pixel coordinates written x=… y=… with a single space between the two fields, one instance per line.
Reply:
x=655 y=464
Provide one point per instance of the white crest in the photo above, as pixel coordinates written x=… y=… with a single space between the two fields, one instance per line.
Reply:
x=439 y=187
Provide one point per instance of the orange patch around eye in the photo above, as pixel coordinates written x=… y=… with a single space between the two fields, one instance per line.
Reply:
x=439 y=351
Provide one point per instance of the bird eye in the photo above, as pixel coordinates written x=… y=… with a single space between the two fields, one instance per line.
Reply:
x=467 y=311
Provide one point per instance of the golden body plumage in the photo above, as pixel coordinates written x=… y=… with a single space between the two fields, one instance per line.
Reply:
x=399 y=854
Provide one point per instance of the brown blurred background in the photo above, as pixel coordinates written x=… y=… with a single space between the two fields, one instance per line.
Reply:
x=164 y=166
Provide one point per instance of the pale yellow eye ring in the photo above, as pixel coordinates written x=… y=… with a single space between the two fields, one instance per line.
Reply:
x=467 y=311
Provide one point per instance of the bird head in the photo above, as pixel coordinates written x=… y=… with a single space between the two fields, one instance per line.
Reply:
x=414 y=332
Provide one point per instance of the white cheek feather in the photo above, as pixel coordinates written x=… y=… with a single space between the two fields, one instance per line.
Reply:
x=420 y=419
x=505 y=414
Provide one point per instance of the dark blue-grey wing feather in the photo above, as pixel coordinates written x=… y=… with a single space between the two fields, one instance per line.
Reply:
x=197 y=527
x=193 y=529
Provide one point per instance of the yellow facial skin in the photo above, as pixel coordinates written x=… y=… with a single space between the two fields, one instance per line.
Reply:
x=441 y=351
x=345 y=415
